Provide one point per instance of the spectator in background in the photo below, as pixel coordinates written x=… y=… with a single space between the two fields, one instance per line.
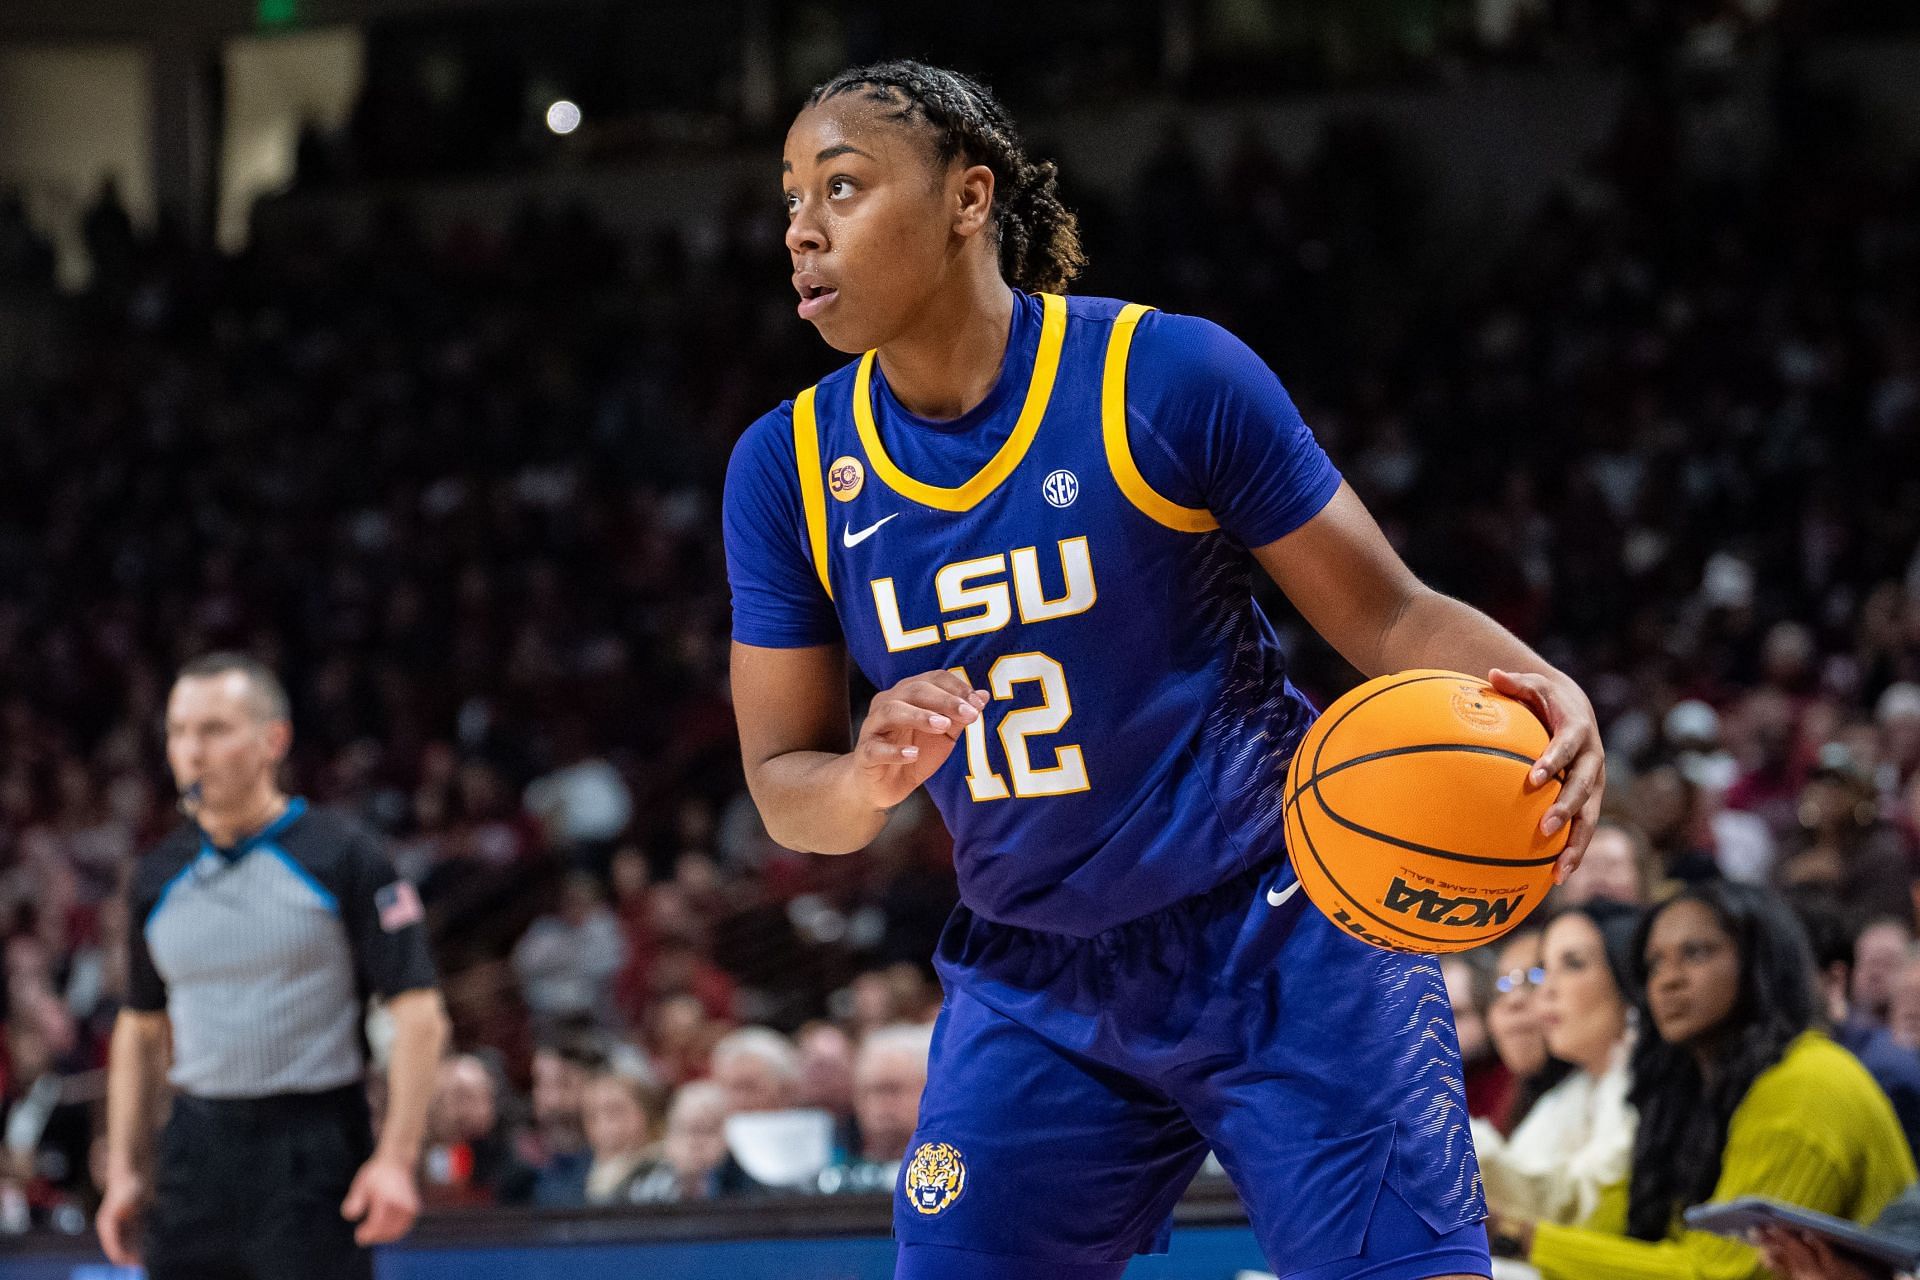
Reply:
x=566 y=961
x=1893 y=1066
x=558 y=1142
x=1897 y=715
x=619 y=1134
x=1577 y=1140
x=1620 y=866
x=694 y=1150
x=1847 y=850
x=468 y=1158
x=1513 y=1025
x=889 y=1076
x=1737 y=1095
x=827 y=1079
x=1666 y=805
x=757 y=1069
x=1489 y=1084
x=584 y=805
x=1879 y=954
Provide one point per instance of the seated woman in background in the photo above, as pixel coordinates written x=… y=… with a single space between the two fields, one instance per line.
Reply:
x=1513 y=1028
x=1578 y=1139
x=1737 y=1095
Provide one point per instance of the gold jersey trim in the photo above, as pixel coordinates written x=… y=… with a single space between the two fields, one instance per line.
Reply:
x=1046 y=366
x=1113 y=428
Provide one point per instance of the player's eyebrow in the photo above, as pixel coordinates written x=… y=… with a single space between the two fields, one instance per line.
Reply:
x=829 y=153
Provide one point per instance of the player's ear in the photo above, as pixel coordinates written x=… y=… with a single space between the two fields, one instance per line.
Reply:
x=973 y=194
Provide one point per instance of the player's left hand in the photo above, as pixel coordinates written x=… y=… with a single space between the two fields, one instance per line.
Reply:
x=384 y=1200
x=1575 y=755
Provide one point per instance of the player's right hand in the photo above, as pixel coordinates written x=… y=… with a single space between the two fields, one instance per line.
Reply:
x=909 y=732
x=118 y=1219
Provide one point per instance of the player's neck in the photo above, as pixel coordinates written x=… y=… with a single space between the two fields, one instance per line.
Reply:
x=227 y=828
x=947 y=363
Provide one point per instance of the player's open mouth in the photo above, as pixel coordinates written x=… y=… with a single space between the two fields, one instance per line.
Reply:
x=815 y=298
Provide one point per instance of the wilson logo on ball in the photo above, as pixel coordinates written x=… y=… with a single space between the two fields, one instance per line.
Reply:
x=1433 y=907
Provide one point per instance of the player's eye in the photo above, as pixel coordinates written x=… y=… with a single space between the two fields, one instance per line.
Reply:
x=836 y=186
x=792 y=201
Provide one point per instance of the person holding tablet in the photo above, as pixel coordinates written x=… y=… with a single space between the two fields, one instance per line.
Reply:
x=1738 y=1095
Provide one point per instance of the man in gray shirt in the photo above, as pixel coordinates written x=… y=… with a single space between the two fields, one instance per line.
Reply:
x=259 y=930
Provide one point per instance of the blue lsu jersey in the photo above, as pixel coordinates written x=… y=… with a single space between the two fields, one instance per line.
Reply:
x=1135 y=746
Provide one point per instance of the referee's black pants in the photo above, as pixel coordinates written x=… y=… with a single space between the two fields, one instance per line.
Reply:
x=250 y=1188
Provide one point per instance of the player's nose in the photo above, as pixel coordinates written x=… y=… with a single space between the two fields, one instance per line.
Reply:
x=804 y=233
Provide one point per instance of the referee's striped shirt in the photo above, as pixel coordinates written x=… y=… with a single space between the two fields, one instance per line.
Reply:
x=263 y=955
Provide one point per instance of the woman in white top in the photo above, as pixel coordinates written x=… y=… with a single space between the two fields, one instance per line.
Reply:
x=1578 y=1139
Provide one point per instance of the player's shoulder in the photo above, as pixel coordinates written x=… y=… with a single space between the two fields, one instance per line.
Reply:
x=1086 y=308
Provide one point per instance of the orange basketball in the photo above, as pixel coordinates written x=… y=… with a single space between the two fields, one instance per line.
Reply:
x=1409 y=819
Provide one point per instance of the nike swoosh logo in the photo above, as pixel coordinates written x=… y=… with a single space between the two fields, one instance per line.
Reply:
x=1278 y=897
x=850 y=539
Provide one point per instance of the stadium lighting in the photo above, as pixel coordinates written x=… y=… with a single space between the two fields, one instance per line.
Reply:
x=563 y=117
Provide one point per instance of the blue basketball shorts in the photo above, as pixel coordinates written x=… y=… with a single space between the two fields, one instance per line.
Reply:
x=1076 y=1085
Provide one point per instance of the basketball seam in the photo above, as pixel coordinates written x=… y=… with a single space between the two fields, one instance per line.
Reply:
x=1425 y=748
x=1408 y=845
x=1394 y=925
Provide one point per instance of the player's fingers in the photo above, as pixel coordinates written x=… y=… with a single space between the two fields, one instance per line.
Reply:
x=880 y=753
x=924 y=709
x=354 y=1207
x=953 y=683
x=1523 y=686
x=945 y=692
x=1577 y=840
x=900 y=719
x=1582 y=781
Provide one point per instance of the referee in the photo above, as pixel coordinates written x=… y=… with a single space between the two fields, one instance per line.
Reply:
x=259 y=929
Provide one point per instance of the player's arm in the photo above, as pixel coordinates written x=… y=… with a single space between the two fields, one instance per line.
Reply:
x=1349 y=583
x=818 y=788
x=136 y=1072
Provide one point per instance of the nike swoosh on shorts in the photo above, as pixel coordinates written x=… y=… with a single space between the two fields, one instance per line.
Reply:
x=850 y=539
x=1278 y=897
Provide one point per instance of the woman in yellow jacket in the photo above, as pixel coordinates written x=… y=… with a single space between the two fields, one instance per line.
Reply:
x=1737 y=1095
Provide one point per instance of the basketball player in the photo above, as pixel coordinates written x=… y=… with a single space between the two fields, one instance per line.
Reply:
x=1028 y=518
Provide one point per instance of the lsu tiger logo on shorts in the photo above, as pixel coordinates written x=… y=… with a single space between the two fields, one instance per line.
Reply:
x=935 y=1178
x=846 y=477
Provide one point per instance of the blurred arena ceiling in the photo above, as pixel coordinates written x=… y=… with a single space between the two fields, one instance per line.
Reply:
x=160 y=20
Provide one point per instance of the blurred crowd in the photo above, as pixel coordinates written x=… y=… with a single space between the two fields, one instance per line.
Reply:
x=463 y=495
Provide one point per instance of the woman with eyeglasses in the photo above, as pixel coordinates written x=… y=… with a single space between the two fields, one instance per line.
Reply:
x=1737 y=1094
x=1577 y=1140
x=1513 y=1025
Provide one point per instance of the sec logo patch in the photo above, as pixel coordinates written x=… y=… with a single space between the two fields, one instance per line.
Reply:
x=935 y=1178
x=846 y=477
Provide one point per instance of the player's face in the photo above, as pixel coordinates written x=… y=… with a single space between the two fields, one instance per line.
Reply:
x=869 y=221
x=218 y=738
x=1693 y=973
x=1581 y=1009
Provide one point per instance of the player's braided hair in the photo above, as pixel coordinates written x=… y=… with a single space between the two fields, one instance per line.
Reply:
x=1039 y=237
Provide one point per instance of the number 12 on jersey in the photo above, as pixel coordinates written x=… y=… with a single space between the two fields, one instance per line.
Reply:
x=1068 y=772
